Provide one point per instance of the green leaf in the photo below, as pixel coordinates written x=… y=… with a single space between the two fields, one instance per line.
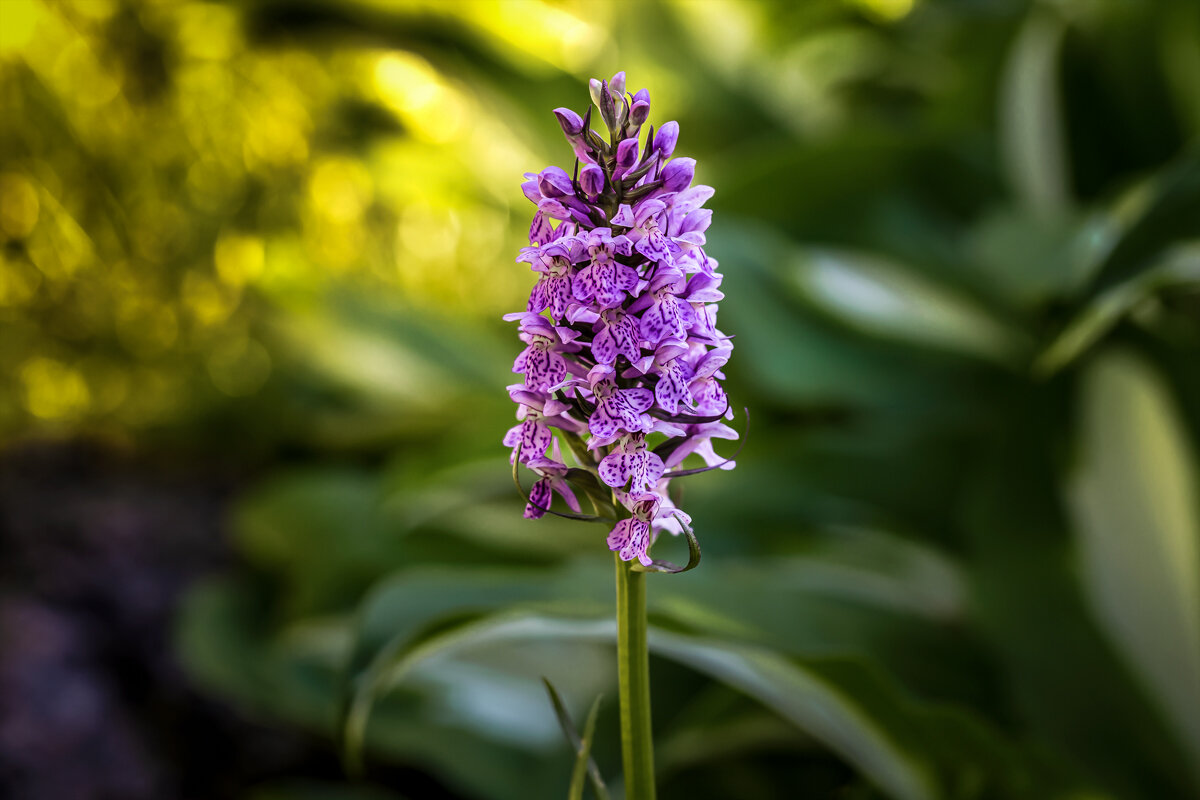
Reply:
x=585 y=766
x=1147 y=219
x=583 y=759
x=1030 y=116
x=1067 y=685
x=398 y=616
x=1180 y=266
x=1133 y=495
x=880 y=297
x=910 y=752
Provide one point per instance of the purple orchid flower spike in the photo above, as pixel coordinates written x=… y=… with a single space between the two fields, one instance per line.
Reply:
x=623 y=358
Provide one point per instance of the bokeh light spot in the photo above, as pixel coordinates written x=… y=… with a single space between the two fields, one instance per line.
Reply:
x=53 y=390
x=20 y=22
x=239 y=258
x=340 y=189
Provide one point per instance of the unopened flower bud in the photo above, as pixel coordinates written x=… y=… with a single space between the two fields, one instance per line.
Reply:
x=554 y=182
x=627 y=153
x=572 y=123
x=640 y=110
x=591 y=180
x=608 y=108
x=664 y=140
x=617 y=84
x=678 y=174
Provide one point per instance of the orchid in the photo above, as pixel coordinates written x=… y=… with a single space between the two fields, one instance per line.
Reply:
x=623 y=356
x=620 y=328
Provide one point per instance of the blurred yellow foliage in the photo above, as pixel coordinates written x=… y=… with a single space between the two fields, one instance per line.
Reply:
x=172 y=185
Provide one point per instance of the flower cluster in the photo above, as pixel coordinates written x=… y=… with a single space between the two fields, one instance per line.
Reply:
x=622 y=349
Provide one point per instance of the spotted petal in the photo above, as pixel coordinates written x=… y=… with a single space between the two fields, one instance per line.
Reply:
x=630 y=538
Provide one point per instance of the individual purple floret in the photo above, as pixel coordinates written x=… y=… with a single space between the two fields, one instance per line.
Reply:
x=623 y=356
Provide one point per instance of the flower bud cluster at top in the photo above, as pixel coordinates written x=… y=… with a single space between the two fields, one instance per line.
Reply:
x=623 y=350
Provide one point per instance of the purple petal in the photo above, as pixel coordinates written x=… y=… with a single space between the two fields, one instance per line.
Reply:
x=627 y=153
x=639 y=110
x=617 y=84
x=615 y=469
x=541 y=231
x=639 y=399
x=558 y=292
x=604 y=346
x=602 y=422
x=636 y=540
x=564 y=490
x=539 y=499
x=688 y=201
x=654 y=247
x=672 y=390
x=620 y=535
x=554 y=182
x=624 y=217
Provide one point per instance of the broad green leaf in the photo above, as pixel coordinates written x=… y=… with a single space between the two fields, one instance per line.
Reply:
x=879 y=297
x=231 y=651
x=1066 y=684
x=396 y=617
x=908 y=751
x=1133 y=496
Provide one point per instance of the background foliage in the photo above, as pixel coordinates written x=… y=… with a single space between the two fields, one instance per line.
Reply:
x=960 y=557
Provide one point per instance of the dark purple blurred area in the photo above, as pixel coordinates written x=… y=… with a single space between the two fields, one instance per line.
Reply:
x=96 y=550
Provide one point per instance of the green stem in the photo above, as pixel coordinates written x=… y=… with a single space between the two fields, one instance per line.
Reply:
x=633 y=669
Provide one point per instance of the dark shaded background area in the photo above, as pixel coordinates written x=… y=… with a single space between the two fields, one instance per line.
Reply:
x=253 y=258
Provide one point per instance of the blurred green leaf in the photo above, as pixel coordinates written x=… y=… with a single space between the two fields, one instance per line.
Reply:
x=1065 y=682
x=1126 y=239
x=323 y=531
x=908 y=750
x=1179 y=267
x=877 y=296
x=396 y=619
x=1030 y=116
x=585 y=767
x=1134 y=495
